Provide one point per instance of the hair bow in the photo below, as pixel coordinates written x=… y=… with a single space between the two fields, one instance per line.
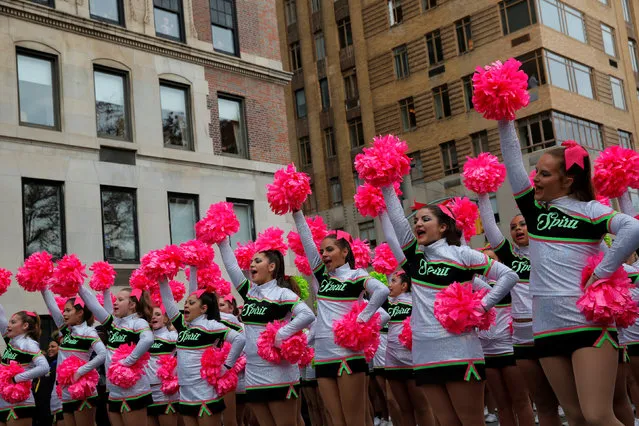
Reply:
x=31 y=314
x=574 y=154
x=137 y=293
x=417 y=206
x=445 y=206
x=229 y=297
x=339 y=234
x=199 y=293
x=78 y=301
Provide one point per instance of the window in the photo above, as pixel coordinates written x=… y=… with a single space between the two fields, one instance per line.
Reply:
x=449 y=158
x=49 y=3
x=532 y=65
x=329 y=143
x=480 y=142
x=304 y=145
x=43 y=217
x=245 y=215
x=634 y=198
x=416 y=167
x=625 y=6
x=400 y=55
x=168 y=16
x=324 y=92
x=395 y=12
x=467 y=82
x=367 y=233
x=442 y=102
x=407 y=111
x=183 y=215
x=316 y=5
x=300 y=103
x=119 y=224
x=336 y=191
x=618 y=98
x=569 y=75
x=429 y=4
x=563 y=18
x=176 y=115
x=634 y=60
x=605 y=2
x=464 y=36
x=310 y=205
x=350 y=87
x=223 y=26
x=572 y=128
x=434 y=44
x=345 y=34
x=356 y=132
x=295 y=56
x=495 y=206
x=608 y=35
x=517 y=14
x=232 y=125
x=625 y=139
x=233 y=137
x=536 y=132
x=110 y=11
x=290 y=11
x=320 y=46
x=38 y=97
x=112 y=103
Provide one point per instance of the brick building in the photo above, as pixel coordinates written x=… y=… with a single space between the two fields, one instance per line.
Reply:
x=367 y=67
x=121 y=121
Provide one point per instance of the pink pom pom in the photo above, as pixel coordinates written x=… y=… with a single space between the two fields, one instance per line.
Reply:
x=615 y=170
x=295 y=243
x=178 y=289
x=353 y=335
x=318 y=227
x=483 y=174
x=385 y=162
x=499 y=90
x=220 y=222
x=58 y=391
x=266 y=341
x=212 y=362
x=302 y=265
x=60 y=301
x=607 y=301
x=459 y=309
x=531 y=176
x=369 y=200
x=288 y=191
x=34 y=275
x=371 y=350
x=5 y=280
x=240 y=364
x=307 y=357
x=11 y=392
x=406 y=336
x=226 y=383
x=126 y=377
x=103 y=276
x=384 y=261
x=603 y=200
x=196 y=253
x=139 y=280
x=68 y=275
x=361 y=252
x=271 y=239
x=293 y=348
x=100 y=298
x=161 y=264
x=85 y=386
x=166 y=373
x=244 y=254
x=466 y=214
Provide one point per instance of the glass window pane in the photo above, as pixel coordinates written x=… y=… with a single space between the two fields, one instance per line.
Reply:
x=608 y=39
x=300 y=103
x=617 y=93
x=583 y=80
x=634 y=60
x=119 y=225
x=183 y=215
x=575 y=24
x=244 y=213
x=558 y=71
x=175 y=120
x=231 y=126
x=35 y=87
x=518 y=16
x=223 y=39
x=549 y=11
x=105 y=9
x=43 y=220
x=110 y=105
x=167 y=23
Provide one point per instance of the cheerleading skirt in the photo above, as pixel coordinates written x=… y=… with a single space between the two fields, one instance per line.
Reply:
x=560 y=328
x=30 y=401
x=266 y=381
x=399 y=362
x=54 y=403
x=66 y=396
x=497 y=342
x=523 y=341
x=379 y=359
x=241 y=383
x=163 y=404
x=199 y=400
x=17 y=412
x=80 y=405
x=332 y=360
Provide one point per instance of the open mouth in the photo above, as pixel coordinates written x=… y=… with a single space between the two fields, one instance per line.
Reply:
x=420 y=232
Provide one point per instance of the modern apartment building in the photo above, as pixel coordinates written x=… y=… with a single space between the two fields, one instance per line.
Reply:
x=121 y=121
x=367 y=67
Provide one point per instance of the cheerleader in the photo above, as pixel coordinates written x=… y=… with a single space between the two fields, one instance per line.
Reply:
x=55 y=405
x=127 y=324
x=341 y=373
x=271 y=389
x=515 y=255
x=309 y=385
x=21 y=334
x=378 y=384
x=449 y=366
x=79 y=339
x=578 y=356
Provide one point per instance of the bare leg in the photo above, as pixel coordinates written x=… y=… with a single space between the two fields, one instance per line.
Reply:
x=116 y=419
x=560 y=374
x=284 y=412
x=239 y=413
x=153 y=421
x=69 y=419
x=313 y=404
x=467 y=399
x=542 y=393
x=85 y=417
x=401 y=394
x=212 y=420
x=135 y=418
x=229 y=415
x=393 y=407
x=442 y=405
x=519 y=395
x=262 y=413
x=620 y=403
x=422 y=407
x=330 y=396
x=353 y=398
x=498 y=390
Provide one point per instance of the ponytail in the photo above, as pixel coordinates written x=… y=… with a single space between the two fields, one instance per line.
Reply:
x=143 y=305
x=342 y=244
x=33 y=321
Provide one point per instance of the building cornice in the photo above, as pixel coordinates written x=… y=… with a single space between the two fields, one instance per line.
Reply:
x=120 y=36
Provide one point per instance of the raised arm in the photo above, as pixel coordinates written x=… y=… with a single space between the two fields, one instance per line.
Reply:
x=511 y=151
x=4 y=322
x=378 y=294
x=403 y=230
x=237 y=341
x=168 y=301
x=505 y=279
x=91 y=301
x=230 y=263
x=108 y=302
x=100 y=356
x=391 y=237
x=306 y=236
x=494 y=235
x=625 y=205
x=626 y=230
x=192 y=280
x=302 y=318
x=40 y=368
x=52 y=306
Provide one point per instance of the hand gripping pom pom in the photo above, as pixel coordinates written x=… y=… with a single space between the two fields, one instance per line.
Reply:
x=361 y=252
x=353 y=335
x=466 y=214
x=5 y=280
x=288 y=191
x=484 y=174
x=459 y=309
x=384 y=261
x=219 y=223
x=85 y=386
x=11 y=392
x=103 y=276
x=228 y=381
x=369 y=200
x=161 y=264
x=615 y=170
x=607 y=301
x=167 y=374
x=122 y=376
x=68 y=275
x=371 y=350
x=212 y=362
x=302 y=265
x=307 y=357
x=385 y=162
x=499 y=90
x=196 y=253
x=271 y=239
x=406 y=336
x=244 y=255
x=36 y=271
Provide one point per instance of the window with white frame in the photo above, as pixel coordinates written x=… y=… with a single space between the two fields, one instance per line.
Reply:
x=183 y=215
x=244 y=211
x=608 y=34
x=634 y=58
x=563 y=18
x=395 y=13
x=625 y=7
x=480 y=142
x=587 y=133
x=569 y=75
x=618 y=98
x=290 y=12
x=625 y=139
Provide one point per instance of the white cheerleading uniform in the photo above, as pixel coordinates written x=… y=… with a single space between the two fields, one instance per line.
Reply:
x=399 y=359
x=164 y=343
x=497 y=342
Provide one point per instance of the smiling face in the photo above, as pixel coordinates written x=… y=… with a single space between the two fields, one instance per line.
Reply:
x=550 y=181
x=158 y=319
x=397 y=286
x=123 y=305
x=71 y=315
x=52 y=350
x=428 y=229
x=225 y=306
x=519 y=231
x=193 y=308
x=332 y=256
x=16 y=326
x=261 y=270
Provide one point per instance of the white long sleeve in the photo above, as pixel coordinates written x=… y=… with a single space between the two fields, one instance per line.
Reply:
x=192 y=280
x=494 y=235
x=505 y=279
x=384 y=317
x=513 y=159
x=378 y=294
x=99 y=359
x=108 y=302
x=41 y=368
x=230 y=263
x=391 y=238
x=302 y=318
x=168 y=301
x=4 y=322
x=237 y=341
x=94 y=306
x=626 y=231
x=625 y=205
x=403 y=230
x=306 y=236
x=52 y=306
x=142 y=347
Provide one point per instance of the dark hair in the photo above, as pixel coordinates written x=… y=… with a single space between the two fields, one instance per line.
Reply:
x=276 y=257
x=143 y=305
x=581 y=187
x=342 y=244
x=33 y=322
x=291 y=284
x=452 y=234
x=405 y=278
x=236 y=311
x=87 y=315
x=210 y=301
